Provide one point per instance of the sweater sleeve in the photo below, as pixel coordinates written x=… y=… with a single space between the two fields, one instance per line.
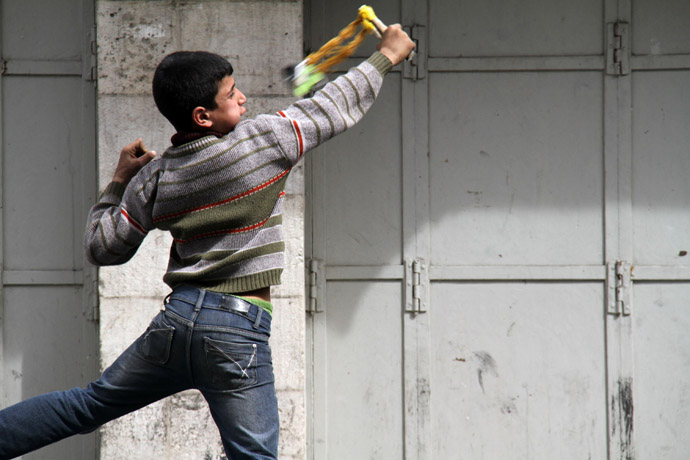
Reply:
x=336 y=107
x=118 y=223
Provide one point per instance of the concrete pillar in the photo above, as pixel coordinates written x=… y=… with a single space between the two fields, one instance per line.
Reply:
x=259 y=38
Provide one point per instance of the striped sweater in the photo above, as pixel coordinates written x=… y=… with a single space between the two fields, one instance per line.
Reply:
x=221 y=198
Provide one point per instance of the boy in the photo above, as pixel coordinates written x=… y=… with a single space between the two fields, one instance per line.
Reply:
x=219 y=191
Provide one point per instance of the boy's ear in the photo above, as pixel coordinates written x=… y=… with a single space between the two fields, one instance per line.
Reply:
x=201 y=118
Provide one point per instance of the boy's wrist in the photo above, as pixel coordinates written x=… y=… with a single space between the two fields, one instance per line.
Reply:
x=120 y=179
x=114 y=188
x=382 y=62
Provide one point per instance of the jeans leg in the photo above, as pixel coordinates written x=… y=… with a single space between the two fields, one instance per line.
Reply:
x=247 y=435
x=246 y=413
x=42 y=420
x=150 y=369
x=234 y=372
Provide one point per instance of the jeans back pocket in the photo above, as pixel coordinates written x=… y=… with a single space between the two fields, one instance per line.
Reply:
x=155 y=344
x=232 y=366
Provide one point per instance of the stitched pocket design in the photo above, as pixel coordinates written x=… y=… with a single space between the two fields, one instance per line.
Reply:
x=232 y=366
x=154 y=345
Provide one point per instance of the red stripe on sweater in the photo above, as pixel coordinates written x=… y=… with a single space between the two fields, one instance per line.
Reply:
x=223 y=232
x=297 y=130
x=134 y=223
x=299 y=136
x=227 y=200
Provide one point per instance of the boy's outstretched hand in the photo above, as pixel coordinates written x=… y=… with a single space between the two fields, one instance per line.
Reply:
x=395 y=44
x=132 y=158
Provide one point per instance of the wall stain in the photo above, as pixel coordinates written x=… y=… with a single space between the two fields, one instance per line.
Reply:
x=487 y=364
x=622 y=405
x=626 y=403
x=509 y=407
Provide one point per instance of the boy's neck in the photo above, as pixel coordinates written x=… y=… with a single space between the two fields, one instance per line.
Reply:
x=183 y=137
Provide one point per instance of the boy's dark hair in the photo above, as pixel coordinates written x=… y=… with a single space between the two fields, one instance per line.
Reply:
x=185 y=80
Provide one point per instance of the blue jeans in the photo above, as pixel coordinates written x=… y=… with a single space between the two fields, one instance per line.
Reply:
x=201 y=339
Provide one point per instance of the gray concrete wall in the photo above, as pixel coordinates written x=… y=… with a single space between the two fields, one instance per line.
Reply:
x=259 y=38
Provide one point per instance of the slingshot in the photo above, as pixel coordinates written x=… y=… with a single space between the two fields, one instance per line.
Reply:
x=313 y=69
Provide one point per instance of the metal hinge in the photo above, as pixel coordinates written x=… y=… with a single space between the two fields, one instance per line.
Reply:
x=415 y=68
x=618 y=48
x=619 y=288
x=416 y=286
x=315 y=286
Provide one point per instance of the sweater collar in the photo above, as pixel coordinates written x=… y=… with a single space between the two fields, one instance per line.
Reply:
x=184 y=137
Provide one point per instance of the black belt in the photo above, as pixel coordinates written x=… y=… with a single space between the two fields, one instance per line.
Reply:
x=211 y=299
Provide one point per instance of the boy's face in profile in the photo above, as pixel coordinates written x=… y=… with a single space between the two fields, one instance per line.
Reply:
x=229 y=106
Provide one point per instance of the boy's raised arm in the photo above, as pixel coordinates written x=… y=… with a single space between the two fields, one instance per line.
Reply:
x=341 y=103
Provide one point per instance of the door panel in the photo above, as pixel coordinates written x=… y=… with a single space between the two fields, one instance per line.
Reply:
x=660 y=196
x=661 y=389
x=356 y=336
x=516 y=168
x=38 y=361
x=364 y=364
x=40 y=30
x=661 y=161
x=41 y=173
x=518 y=368
x=661 y=27
x=363 y=168
x=514 y=28
x=48 y=310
